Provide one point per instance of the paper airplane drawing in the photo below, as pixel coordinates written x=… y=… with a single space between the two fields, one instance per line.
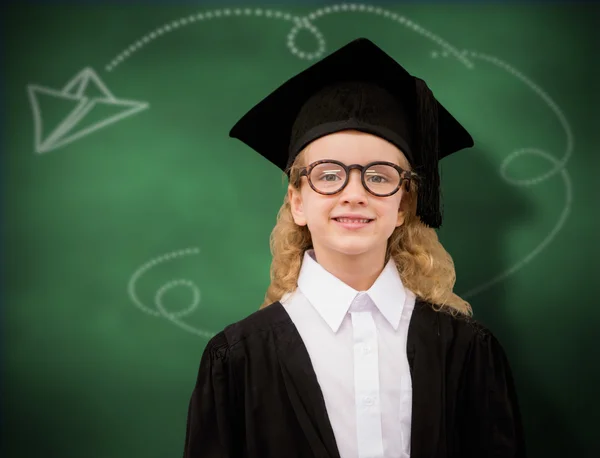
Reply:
x=84 y=105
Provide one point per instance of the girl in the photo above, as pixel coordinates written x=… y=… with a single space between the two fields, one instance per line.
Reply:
x=361 y=349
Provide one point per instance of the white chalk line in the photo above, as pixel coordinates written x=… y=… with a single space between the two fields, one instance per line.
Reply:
x=174 y=317
x=291 y=40
x=398 y=18
x=559 y=166
x=299 y=24
x=541 y=246
x=180 y=23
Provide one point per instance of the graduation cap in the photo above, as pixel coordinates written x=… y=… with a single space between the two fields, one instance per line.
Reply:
x=358 y=87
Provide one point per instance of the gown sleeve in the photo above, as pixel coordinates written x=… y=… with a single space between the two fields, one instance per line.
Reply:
x=211 y=430
x=492 y=425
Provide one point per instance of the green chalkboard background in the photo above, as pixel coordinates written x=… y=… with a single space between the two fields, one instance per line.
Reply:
x=127 y=247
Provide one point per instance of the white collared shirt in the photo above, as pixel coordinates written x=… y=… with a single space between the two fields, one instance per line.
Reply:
x=357 y=345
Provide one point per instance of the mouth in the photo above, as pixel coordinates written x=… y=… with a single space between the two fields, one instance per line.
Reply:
x=353 y=223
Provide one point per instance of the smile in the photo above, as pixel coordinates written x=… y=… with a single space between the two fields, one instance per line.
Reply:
x=352 y=220
x=352 y=223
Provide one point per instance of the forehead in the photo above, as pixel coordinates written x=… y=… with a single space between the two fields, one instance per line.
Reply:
x=354 y=147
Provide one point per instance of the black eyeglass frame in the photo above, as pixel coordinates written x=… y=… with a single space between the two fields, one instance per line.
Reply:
x=405 y=175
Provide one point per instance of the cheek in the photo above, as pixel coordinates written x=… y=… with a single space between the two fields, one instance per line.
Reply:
x=388 y=212
x=318 y=210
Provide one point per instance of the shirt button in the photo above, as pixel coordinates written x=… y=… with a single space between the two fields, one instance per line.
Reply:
x=368 y=401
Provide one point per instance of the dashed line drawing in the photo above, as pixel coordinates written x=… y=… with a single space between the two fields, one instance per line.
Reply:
x=299 y=24
x=78 y=92
x=445 y=49
x=559 y=167
x=174 y=317
x=194 y=19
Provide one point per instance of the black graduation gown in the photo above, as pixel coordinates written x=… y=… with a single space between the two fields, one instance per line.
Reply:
x=257 y=395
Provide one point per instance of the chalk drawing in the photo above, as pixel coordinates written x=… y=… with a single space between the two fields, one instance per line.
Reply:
x=173 y=317
x=85 y=82
x=559 y=168
x=299 y=24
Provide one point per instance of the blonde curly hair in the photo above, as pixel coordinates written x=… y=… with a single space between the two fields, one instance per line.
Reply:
x=425 y=267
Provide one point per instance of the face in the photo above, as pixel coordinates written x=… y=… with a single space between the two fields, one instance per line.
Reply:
x=320 y=213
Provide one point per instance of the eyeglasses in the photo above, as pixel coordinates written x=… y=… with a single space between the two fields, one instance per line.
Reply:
x=380 y=178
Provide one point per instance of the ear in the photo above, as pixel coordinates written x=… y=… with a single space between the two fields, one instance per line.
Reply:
x=295 y=199
x=403 y=208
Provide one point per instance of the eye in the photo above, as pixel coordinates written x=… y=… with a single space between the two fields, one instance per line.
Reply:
x=376 y=178
x=330 y=175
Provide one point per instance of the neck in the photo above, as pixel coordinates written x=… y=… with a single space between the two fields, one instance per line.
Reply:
x=357 y=271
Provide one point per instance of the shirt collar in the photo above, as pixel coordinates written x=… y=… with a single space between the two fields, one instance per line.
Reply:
x=332 y=298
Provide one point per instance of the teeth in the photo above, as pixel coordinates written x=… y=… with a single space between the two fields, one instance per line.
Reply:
x=348 y=220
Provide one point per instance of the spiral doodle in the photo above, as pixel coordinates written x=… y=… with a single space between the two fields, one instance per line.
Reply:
x=559 y=167
x=175 y=318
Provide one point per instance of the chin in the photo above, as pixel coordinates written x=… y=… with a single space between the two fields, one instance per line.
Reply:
x=352 y=248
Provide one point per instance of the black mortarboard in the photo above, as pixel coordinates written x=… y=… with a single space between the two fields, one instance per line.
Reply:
x=358 y=87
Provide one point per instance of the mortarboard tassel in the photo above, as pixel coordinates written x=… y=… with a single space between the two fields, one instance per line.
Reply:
x=428 y=201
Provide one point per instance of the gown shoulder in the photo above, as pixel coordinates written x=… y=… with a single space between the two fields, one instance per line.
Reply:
x=489 y=414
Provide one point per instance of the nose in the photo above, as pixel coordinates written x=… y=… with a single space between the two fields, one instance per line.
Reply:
x=354 y=192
